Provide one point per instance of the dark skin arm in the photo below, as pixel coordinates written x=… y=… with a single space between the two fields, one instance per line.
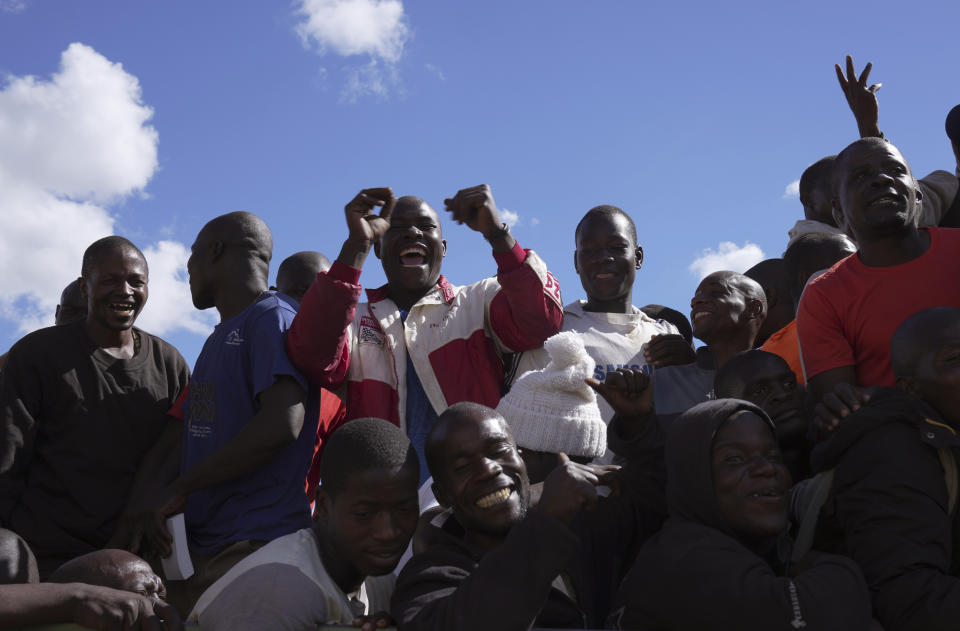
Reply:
x=366 y=228
x=475 y=207
x=837 y=397
x=629 y=393
x=90 y=606
x=276 y=425
x=669 y=349
x=861 y=98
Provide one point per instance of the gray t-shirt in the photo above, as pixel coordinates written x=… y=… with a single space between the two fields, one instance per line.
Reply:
x=676 y=389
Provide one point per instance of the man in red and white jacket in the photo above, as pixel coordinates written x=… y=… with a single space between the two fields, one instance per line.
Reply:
x=420 y=344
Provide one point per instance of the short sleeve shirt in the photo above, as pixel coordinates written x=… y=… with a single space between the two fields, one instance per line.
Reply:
x=848 y=315
x=244 y=356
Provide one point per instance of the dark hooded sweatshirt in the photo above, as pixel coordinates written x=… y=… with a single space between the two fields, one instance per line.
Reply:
x=888 y=510
x=695 y=574
x=452 y=586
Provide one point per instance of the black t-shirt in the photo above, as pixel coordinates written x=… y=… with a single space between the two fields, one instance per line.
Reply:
x=75 y=424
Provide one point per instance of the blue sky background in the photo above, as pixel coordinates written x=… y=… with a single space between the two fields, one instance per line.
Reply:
x=693 y=117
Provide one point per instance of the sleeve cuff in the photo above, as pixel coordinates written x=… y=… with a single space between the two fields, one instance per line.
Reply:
x=344 y=273
x=509 y=261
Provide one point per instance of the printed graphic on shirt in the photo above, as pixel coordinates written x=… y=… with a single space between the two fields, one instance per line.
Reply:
x=370 y=331
x=234 y=339
x=552 y=289
x=202 y=409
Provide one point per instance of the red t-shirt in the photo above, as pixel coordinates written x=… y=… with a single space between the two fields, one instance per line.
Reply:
x=848 y=315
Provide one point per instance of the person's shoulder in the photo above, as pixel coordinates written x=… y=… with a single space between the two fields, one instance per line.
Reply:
x=163 y=348
x=270 y=307
x=49 y=339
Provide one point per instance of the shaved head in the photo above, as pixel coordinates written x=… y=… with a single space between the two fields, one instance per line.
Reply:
x=117 y=569
x=921 y=334
x=73 y=305
x=242 y=229
x=298 y=271
x=465 y=412
x=771 y=274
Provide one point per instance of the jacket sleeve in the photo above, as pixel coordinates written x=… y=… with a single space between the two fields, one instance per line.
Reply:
x=19 y=419
x=713 y=582
x=318 y=342
x=891 y=503
x=528 y=307
x=440 y=590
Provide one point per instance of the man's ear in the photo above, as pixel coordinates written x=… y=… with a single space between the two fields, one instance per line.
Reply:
x=755 y=308
x=443 y=252
x=324 y=504
x=440 y=494
x=838 y=216
x=217 y=248
x=639 y=255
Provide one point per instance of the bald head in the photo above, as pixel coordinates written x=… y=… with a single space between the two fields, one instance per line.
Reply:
x=243 y=230
x=465 y=413
x=117 y=569
x=72 y=307
x=921 y=335
x=298 y=271
x=810 y=253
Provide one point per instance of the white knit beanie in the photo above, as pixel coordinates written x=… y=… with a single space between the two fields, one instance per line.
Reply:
x=553 y=409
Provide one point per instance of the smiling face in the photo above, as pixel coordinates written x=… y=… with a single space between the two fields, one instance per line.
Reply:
x=367 y=525
x=749 y=477
x=607 y=259
x=478 y=472
x=116 y=289
x=718 y=307
x=412 y=248
x=876 y=193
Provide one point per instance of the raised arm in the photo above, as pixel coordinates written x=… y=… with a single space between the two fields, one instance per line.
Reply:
x=861 y=98
x=528 y=307
x=318 y=341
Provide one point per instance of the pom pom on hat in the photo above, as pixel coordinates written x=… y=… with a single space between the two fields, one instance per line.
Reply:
x=553 y=409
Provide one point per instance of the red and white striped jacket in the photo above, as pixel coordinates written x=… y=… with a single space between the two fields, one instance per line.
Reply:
x=456 y=336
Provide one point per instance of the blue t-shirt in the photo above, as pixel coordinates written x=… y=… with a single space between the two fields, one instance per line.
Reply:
x=420 y=414
x=243 y=357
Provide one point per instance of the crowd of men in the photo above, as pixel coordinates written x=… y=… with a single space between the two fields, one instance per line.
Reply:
x=484 y=457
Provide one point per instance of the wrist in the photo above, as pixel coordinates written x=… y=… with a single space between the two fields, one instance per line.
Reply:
x=497 y=234
x=354 y=252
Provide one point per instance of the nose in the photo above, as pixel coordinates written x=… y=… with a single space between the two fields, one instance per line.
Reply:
x=489 y=468
x=698 y=299
x=126 y=289
x=778 y=393
x=763 y=467
x=384 y=529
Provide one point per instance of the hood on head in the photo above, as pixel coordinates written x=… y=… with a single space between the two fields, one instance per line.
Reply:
x=689 y=451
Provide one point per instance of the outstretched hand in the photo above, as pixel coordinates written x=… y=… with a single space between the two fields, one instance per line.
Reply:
x=475 y=207
x=365 y=227
x=628 y=391
x=861 y=98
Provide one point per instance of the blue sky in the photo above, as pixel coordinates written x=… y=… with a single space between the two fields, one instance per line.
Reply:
x=693 y=117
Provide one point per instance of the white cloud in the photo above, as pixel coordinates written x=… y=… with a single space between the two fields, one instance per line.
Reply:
x=434 y=70
x=792 y=191
x=12 y=6
x=376 y=28
x=355 y=27
x=534 y=221
x=169 y=305
x=70 y=146
x=727 y=256
x=509 y=217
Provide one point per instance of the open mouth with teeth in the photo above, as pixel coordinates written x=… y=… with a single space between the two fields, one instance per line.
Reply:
x=699 y=315
x=413 y=256
x=497 y=497
x=887 y=201
x=768 y=494
x=122 y=308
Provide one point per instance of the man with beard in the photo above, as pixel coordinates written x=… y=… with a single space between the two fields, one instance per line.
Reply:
x=496 y=562
x=848 y=315
x=420 y=343
x=80 y=406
